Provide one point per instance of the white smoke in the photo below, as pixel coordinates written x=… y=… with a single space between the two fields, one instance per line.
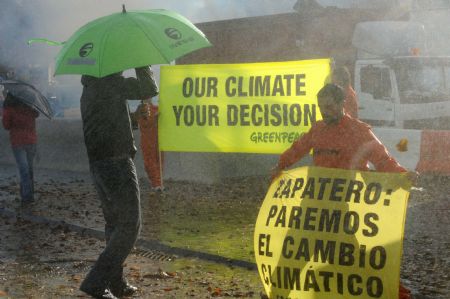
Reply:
x=56 y=20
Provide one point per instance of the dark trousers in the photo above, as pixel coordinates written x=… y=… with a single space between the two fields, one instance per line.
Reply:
x=118 y=190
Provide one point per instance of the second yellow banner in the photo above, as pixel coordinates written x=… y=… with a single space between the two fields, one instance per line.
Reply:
x=247 y=108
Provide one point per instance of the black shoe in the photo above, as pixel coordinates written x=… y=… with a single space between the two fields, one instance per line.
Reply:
x=98 y=293
x=124 y=289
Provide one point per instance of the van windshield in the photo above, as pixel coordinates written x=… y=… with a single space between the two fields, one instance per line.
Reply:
x=423 y=83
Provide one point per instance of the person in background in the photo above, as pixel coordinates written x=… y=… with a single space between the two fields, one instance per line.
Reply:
x=341 y=141
x=20 y=120
x=341 y=76
x=110 y=147
x=146 y=116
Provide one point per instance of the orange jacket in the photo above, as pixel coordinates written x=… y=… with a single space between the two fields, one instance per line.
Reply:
x=147 y=116
x=148 y=126
x=350 y=144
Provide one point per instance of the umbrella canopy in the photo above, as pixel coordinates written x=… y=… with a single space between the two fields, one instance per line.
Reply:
x=128 y=40
x=28 y=95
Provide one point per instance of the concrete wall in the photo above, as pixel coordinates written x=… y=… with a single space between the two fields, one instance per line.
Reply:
x=61 y=146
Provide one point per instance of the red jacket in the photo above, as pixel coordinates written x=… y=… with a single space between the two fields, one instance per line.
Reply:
x=21 y=123
x=350 y=144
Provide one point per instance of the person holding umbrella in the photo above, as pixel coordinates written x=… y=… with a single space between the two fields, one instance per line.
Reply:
x=100 y=51
x=22 y=105
x=20 y=120
x=110 y=147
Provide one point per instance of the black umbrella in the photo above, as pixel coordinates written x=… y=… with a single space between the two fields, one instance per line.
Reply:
x=28 y=95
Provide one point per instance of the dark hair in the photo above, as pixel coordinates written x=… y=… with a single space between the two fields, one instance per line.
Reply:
x=332 y=90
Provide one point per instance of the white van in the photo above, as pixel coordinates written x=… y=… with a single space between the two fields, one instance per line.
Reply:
x=404 y=92
x=398 y=90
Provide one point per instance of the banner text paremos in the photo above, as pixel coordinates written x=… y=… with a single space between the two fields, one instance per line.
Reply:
x=331 y=233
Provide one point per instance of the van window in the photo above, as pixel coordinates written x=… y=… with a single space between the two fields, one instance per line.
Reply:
x=420 y=79
x=423 y=83
x=376 y=81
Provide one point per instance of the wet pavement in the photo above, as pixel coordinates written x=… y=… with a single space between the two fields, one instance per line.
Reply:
x=196 y=241
x=181 y=255
x=38 y=261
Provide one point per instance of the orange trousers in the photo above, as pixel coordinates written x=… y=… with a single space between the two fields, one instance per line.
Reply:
x=148 y=126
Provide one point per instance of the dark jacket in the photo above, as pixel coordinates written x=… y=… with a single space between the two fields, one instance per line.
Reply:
x=105 y=112
x=20 y=120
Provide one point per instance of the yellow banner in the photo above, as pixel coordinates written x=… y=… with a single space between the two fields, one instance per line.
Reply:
x=331 y=233
x=247 y=108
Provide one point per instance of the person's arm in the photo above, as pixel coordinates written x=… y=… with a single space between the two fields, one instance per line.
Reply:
x=147 y=83
x=142 y=87
x=380 y=157
x=382 y=160
x=298 y=150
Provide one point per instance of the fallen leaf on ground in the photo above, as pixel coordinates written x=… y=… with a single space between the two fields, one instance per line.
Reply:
x=217 y=292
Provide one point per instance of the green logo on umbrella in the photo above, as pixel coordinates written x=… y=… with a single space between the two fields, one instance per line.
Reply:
x=86 y=49
x=173 y=33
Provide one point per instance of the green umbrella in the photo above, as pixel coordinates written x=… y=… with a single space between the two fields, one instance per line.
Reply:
x=128 y=40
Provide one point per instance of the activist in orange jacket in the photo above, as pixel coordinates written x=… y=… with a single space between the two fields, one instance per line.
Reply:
x=347 y=144
x=147 y=118
x=340 y=141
